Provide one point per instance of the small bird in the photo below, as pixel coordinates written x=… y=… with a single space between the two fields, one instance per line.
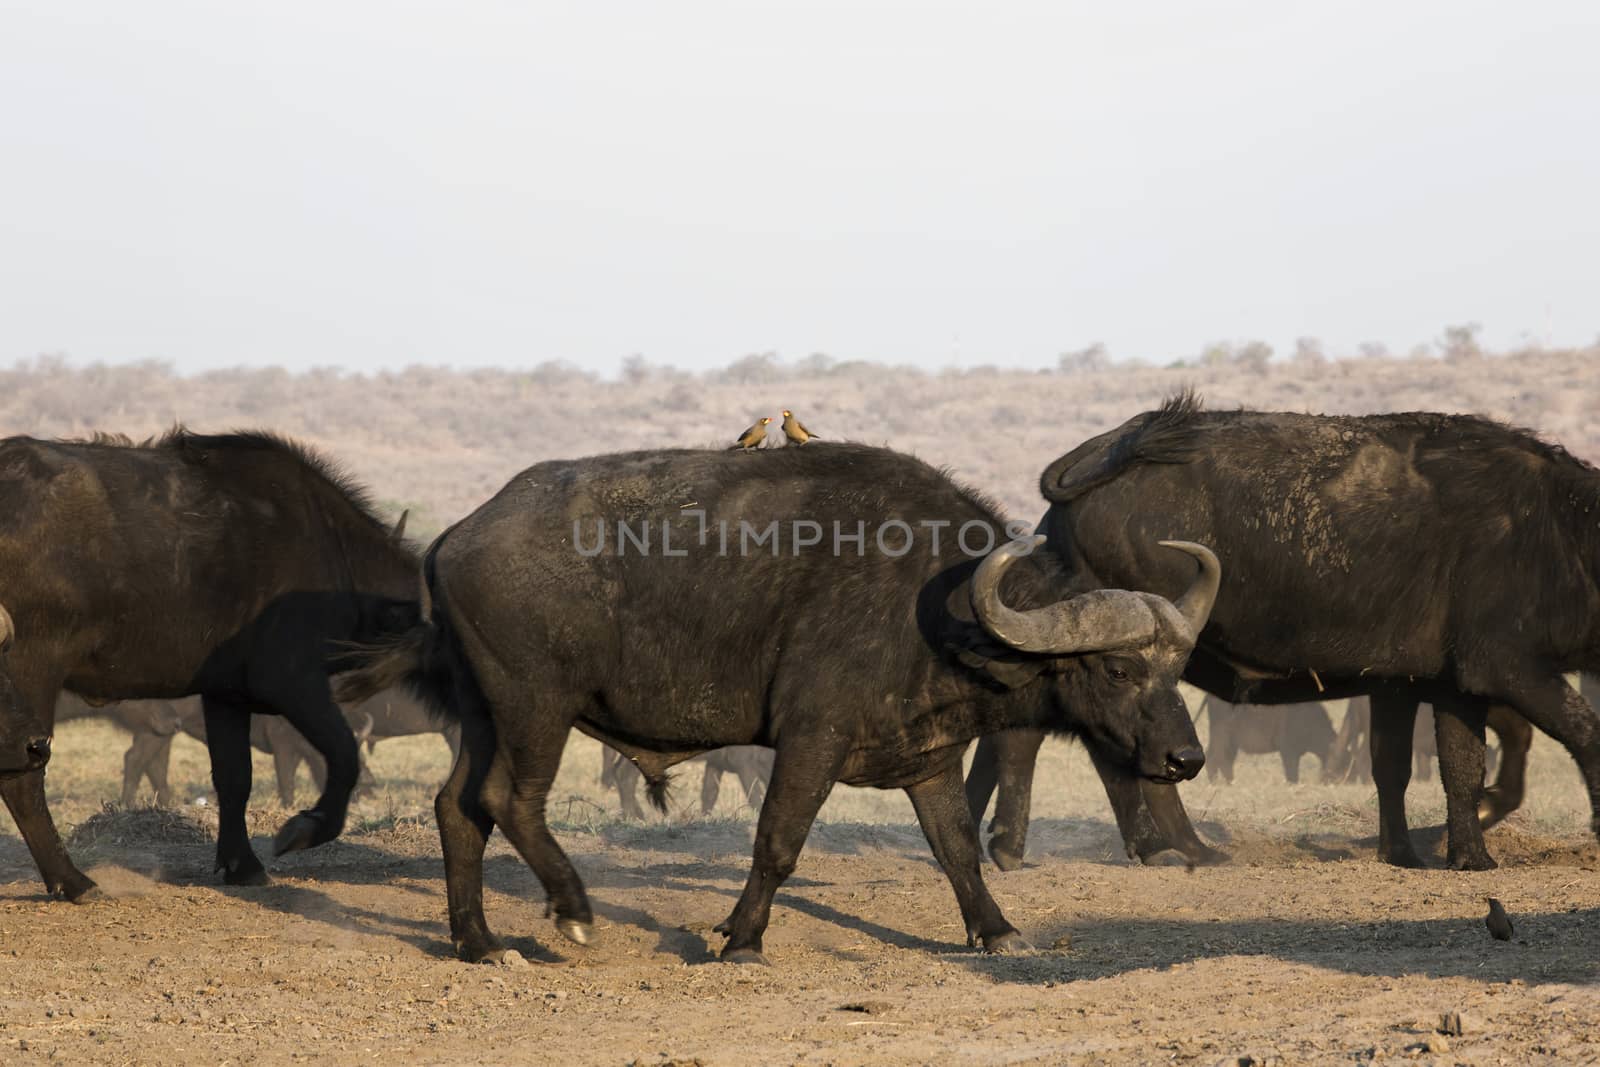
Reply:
x=795 y=430
x=753 y=437
x=1498 y=922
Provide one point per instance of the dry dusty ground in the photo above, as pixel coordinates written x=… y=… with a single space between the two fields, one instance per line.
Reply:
x=1303 y=950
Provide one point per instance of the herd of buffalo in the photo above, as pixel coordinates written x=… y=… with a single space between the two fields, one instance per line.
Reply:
x=807 y=616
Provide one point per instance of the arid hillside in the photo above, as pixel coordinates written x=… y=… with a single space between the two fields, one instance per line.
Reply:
x=440 y=441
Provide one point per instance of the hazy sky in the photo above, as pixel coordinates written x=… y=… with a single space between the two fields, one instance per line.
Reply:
x=371 y=184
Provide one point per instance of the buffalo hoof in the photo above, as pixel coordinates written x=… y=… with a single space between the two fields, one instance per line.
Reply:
x=303 y=831
x=1403 y=857
x=1472 y=860
x=253 y=875
x=84 y=892
x=1206 y=856
x=1006 y=944
x=1006 y=859
x=747 y=956
x=1495 y=806
x=1195 y=854
x=579 y=933
x=489 y=951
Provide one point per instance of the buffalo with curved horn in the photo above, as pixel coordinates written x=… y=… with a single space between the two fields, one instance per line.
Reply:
x=1415 y=557
x=667 y=603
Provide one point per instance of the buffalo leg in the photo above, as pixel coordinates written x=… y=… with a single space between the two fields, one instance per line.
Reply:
x=464 y=827
x=1291 y=765
x=1345 y=764
x=132 y=770
x=802 y=777
x=626 y=777
x=1172 y=823
x=1151 y=816
x=1005 y=760
x=148 y=756
x=1140 y=838
x=1516 y=736
x=156 y=769
x=1223 y=748
x=228 y=739
x=752 y=779
x=1559 y=710
x=947 y=823
x=515 y=794
x=319 y=720
x=24 y=797
x=710 y=786
x=365 y=782
x=317 y=767
x=285 y=768
x=1393 y=716
x=1458 y=727
x=982 y=777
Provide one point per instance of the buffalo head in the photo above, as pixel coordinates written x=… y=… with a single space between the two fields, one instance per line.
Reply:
x=1121 y=653
x=24 y=745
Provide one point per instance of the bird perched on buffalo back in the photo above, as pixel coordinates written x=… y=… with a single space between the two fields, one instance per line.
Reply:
x=753 y=437
x=795 y=430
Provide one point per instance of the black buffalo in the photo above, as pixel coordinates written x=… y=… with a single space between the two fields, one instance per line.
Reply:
x=235 y=567
x=871 y=660
x=1410 y=557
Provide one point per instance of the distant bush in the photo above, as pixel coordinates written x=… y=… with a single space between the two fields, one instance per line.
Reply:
x=441 y=441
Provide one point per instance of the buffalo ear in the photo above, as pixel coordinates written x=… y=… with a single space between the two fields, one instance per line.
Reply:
x=1003 y=666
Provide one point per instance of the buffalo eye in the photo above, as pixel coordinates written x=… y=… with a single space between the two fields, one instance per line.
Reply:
x=1117 y=674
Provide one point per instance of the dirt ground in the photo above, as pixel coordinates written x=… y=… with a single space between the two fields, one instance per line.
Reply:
x=1301 y=950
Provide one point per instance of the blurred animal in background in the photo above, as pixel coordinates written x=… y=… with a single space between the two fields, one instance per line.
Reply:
x=751 y=763
x=1290 y=730
x=154 y=723
x=795 y=430
x=753 y=437
x=391 y=713
x=1350 y=759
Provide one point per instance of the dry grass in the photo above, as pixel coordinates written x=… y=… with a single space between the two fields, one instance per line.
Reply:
x=1070 y=810
x=441 y=442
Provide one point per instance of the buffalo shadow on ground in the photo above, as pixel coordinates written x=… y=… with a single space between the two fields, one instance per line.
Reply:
x=1550 y=946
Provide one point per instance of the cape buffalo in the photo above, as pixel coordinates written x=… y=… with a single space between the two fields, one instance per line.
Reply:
x=751 y=764
x=231 y=566
x=842 y=605
x=1411 y=557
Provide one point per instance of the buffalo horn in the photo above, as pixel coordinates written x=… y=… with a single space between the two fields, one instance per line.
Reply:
x=1093 y=621
x=8 y=629
x=1195 y=604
